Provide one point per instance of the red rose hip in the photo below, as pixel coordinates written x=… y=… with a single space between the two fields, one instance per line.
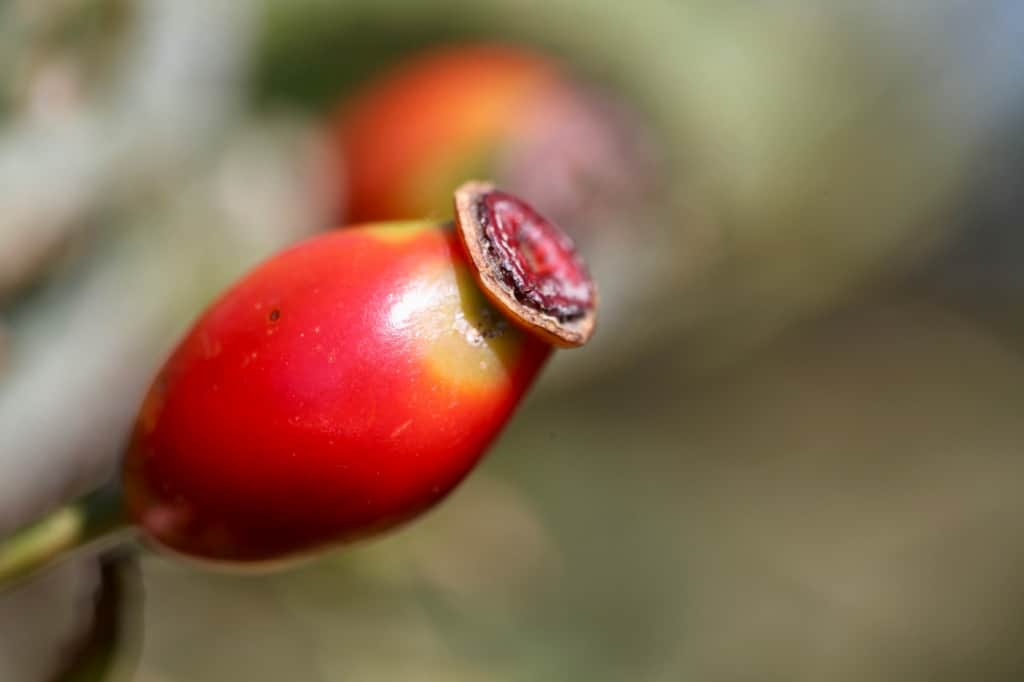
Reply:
x=346 y=385
x=409 y=138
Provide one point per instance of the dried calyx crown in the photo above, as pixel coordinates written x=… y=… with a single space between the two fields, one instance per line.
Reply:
x=526 y=265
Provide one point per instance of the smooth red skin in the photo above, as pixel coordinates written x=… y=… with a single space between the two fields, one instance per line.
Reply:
x=436 y=106
x=334 y=429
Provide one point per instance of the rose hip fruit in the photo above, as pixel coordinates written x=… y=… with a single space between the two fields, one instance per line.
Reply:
x=409 y=138
x=413 y=134
x=349 y=383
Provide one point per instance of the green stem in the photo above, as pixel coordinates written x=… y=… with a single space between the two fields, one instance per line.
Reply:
x=91 y=522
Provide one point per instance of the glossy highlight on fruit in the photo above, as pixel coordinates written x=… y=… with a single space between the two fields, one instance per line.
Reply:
x=340 y=388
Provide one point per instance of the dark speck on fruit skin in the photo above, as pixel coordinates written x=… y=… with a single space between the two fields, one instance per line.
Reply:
x=275 y=315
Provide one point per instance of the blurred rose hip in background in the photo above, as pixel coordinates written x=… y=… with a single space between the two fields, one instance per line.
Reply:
x=791 y=450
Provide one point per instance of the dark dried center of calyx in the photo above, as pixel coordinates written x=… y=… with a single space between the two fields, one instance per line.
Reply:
x=535 y=258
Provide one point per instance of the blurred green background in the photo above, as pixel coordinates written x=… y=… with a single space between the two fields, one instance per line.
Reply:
x=792 y=453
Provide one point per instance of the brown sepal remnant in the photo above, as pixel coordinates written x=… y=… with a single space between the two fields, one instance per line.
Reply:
x=526 y=265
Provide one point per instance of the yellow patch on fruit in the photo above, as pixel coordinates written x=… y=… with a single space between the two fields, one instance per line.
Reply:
x=399 y=232
x=465 y=341
x=429 y=188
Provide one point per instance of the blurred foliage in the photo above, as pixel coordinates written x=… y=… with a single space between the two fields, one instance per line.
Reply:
x=110 y=649
x=307 y=57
